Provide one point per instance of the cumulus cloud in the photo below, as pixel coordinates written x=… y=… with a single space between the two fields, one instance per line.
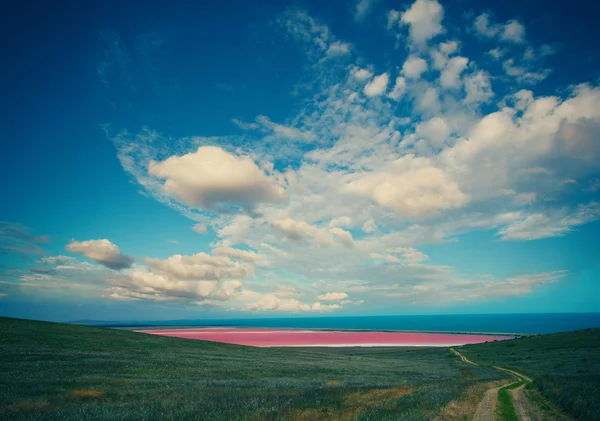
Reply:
x=412 y=187
x=199 y=278
x=103 y=252
x=337 y=49
x=302 y=231
x=147 y=285
x=399 y=89
x=450 y=76
x=211 y=178
x=333 y=296
x=200 y=266
x=511 y=31
x=478 y=88
x=340 y=221
x=270 y=302
x=522 y=74
x=389 y=169
x=369 y=226
x=414 y=67
x=343 y=236
x=409 y=254
x=361 y=74
x=423 y=17
x=377 y=86
x=435 y=129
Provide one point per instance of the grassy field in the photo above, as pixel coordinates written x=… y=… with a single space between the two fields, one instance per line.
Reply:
x=565 y=367
x=67 y=372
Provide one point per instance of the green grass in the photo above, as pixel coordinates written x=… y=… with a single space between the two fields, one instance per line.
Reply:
x=506 y=409
x=53 y=371
x=565 y=367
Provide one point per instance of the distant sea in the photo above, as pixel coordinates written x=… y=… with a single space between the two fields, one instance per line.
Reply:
x=479 y=323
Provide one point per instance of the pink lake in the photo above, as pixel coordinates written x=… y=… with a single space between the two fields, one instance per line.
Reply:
x=333 y=338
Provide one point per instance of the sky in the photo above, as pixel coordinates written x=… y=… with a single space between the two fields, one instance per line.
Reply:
x=271 y=159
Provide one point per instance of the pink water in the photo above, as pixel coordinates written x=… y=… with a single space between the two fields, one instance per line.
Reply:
x=297 y=337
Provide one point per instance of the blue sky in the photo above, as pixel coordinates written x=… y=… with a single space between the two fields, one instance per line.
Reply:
x=268 y=159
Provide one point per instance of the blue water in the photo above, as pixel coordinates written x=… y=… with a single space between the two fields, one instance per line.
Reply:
x=489 y=323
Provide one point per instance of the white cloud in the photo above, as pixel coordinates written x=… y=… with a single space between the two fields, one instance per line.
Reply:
x=337 y=49
x=424 y=18
x=340 y=221
x=361 y=74
x=343 y=236
x=211 y=178
x=450 y=76
x=57 y=260
x=369 y=226
x=478 y=88
x=282 y=131
x=294 y=230
x=442 y=52
x=522 y=74
x=143 y=284
x=200 y=228
x=553 y=224
x=412 y=187
x=237 y=254
x=399 y=89
x=377 y=86
x=497 y=53
x=200 y=266
x=511 y=31
x=425 y=171
x=270 y=302
x=363 y=8
x=484 y=27
x=409 y=254
x=245 y=126
x=325 y=307
x=333 y=296
x=414 y=67
x=429 y=101
x=103 y=252
x=435 y=130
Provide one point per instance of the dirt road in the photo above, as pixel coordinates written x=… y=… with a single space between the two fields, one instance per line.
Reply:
x=487 y=407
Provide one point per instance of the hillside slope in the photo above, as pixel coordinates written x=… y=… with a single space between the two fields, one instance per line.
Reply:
x=565 y=367
x=56 y=371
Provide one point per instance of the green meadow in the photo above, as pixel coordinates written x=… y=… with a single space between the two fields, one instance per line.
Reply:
x=565 y=367
x=51 y=371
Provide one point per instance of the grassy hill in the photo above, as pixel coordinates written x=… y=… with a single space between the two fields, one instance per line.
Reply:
x=68 y=372
x=56 y=371
x=565 y=367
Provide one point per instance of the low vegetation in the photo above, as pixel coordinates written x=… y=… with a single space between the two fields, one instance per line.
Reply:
x=51 y=371
x=565 y=367
x=506 y=410
x=67 y=372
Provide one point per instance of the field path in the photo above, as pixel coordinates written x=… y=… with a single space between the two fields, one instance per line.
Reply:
x=486 y=409
x=522 y=405
x=487 y=406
